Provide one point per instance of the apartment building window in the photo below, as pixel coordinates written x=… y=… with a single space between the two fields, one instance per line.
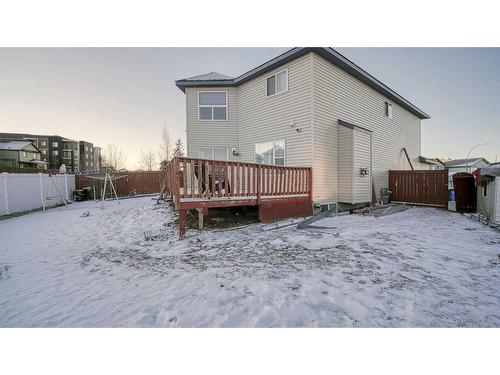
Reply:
x=214 y=153
x=44 y=152
x=43 y=143
x=212 y=105
x=270 y=153
x=388 y=110
x=55 y=144
x=277 y=83
x=55 y=152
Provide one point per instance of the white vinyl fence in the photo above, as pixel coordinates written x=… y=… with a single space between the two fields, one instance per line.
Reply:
x=28 y=191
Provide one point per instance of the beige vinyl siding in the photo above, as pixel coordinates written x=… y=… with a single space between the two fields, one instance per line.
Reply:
x=345 y=164
x=496 y=199
x=264 y=119
x=361 y=185
x=211 y=133
x=338 y=95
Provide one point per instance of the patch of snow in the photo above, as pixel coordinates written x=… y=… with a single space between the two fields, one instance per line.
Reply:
x=124 y=266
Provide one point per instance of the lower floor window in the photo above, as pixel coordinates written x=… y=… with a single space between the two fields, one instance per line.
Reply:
x=270 y=152
x=214 y=153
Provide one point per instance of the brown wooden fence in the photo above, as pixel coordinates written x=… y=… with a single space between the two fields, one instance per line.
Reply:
x=427 y=188
x=127 y=183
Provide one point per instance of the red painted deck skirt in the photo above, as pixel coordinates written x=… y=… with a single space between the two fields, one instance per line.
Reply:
x=279 y=191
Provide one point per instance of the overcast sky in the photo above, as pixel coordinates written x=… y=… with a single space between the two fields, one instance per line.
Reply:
x=125 y=95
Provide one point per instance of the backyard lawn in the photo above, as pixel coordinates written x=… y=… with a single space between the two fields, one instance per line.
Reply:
x=123 y=266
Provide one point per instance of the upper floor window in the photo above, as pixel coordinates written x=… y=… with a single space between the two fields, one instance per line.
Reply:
x=270 y=153
x=55 y=144
x=43 y=143
x=55 y=152
x=277 y=83
x=212 y=105
x=388 y=110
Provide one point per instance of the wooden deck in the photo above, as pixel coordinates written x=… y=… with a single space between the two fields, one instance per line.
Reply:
x=279 y=191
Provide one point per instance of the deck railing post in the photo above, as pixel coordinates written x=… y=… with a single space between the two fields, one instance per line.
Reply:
x=309 y=183
x=258 y=190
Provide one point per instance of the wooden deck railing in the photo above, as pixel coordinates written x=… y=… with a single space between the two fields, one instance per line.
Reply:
x=189 y=179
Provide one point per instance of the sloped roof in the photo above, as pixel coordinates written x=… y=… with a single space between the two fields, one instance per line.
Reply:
x=212 y=76
x=491 y=170
x=423 y=159
x=463 y=162
x=14 y=145
x=326 y=52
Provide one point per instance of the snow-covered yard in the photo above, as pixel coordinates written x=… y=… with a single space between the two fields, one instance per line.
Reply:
x=123 y=266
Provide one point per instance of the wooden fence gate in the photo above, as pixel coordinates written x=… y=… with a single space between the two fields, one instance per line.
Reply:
x=427 y=188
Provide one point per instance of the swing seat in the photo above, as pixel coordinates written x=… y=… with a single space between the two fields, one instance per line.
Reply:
x=53 y=197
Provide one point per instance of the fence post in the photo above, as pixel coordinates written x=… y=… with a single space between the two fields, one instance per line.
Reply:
x=66 y=185
x=41 y=188
x=5 y=175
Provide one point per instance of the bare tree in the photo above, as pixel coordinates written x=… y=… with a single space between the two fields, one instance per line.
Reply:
x=114 y=157
x=148 y=160
x=166 y=152
x=178 y=148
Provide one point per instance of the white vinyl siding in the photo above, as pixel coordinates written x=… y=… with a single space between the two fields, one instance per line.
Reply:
x=338 y=95
x=263 y=118
x=361 y=184
x=211 y=133
x=345 y=164
x=306 y=118
x=496 y=200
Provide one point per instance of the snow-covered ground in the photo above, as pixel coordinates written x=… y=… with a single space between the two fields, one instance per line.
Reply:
x=123 y=266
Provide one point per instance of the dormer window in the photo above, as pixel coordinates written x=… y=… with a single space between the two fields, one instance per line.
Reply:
x=212 y=105
x=277 y=83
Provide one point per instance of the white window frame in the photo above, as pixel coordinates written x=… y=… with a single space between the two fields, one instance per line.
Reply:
x=212 y=106
x=388 y=109
x=55 y=153
x=213 y=151
x=274 y=151
x=276 y=82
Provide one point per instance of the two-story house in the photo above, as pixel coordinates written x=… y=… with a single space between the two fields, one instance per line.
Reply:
x=307 y=107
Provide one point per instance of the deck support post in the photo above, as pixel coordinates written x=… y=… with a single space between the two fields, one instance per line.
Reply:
x=201 y=213
x=182 y=222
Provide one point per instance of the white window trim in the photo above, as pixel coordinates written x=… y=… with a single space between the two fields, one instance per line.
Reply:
x=274 y=152
x=212 y=106
x=213 y=151
x=275 y=82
